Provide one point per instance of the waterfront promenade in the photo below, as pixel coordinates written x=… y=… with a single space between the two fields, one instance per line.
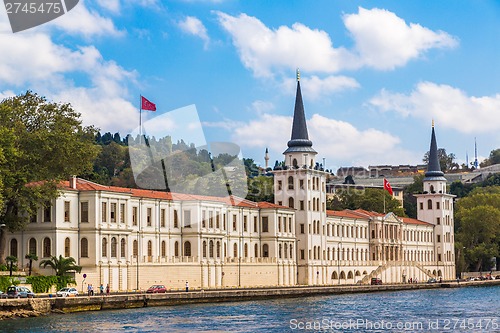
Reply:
x=10 y=308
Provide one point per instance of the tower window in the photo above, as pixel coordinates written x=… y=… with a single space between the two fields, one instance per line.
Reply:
x=429 y=204
x=290 y=183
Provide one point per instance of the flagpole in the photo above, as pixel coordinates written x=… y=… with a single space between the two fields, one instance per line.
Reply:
x=383 y=193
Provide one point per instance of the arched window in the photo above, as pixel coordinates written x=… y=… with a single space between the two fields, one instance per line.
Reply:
x=294 y=163
x=286 y=251
x=256 y=250
x=46 y=247
x=211 y=249
x=265 y=251
x=176 y=249
x=67 y=247
x=432 y=189
x=32 y=246
x=204 y=249
x=429 y=204
x=291 y=202
x=150 y=249
x=235 y=250
x=187 y=249
x=13 y=247
x=114 y=244
x=218 y=249
x=291 y=251
x=122 y=248
x=225 y=250
x=135 y=248
x=245 y=248
x=163 y=249
x=84 y=247
x=104 y=252
x=290 y=183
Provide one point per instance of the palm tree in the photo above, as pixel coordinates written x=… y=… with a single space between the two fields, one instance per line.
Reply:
x=11 y=260
x=61 y=265
x=31 y=257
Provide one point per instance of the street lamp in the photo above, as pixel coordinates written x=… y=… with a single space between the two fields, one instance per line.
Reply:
x=137 y=262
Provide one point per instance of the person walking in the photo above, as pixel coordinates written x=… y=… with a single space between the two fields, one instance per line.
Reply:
x=89 y=288
x=101 y=289
x=107 y=290
x=187 y=286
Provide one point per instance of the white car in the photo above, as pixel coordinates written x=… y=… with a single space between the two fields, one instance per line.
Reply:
x=65 y=292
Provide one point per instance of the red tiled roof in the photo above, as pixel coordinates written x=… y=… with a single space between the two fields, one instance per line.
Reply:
x=409 y=220
x=346 y=213
x=85 y=185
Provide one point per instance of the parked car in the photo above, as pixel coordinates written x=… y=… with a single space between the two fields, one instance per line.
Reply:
x=157 y=288
x=19 y=292
x=432 y=280
x=2 y=294
x=376 y=281
x=65 y=292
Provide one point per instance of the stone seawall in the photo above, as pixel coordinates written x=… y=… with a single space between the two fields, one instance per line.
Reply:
x=10 y=308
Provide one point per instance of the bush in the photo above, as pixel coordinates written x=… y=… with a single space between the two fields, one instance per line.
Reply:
x=42 y=284
x=7 y=281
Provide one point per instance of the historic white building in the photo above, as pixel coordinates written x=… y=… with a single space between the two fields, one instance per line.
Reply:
x=132 y=238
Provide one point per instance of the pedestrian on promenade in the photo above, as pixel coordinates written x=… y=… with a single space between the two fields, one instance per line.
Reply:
x=107 y=290
x=187 y=286
x=101 y=289
x=89 y=288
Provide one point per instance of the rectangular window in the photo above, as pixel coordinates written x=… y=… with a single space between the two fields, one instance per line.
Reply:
x=302 y=254
x=234 y=222
x=149 y=217
x=439 y=238
x=176 y=219
x=203 y=219
x=279 y=223
x=245 y=220
x=301 y=184
x=265 y=224
x=217 y=221
x=162 y=217
x=224 y=222
x=438 y=220
x=187 y=219
x=66 y=211
x=421 y=206
x=210 y=219
x=280 y=185
x=104 y=211
x=84 y=207
x=302 y=228
x=47 y=213
x=122 y=213
x=280 y=203
x=134 y=216
x=255 y=224
x=438 y=205
x=33 y=217
x=289 y=224
x=112 y=213
x=301 y=204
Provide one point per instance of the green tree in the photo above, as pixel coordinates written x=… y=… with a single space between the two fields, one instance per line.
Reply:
x=261 y=188
x=370 y=199
x=494 y=158
x=410 y=201
x=11 y=260
x=31 y=257
x=478 y=221
x=446 y=161
x=41 y=143
x=61 y=265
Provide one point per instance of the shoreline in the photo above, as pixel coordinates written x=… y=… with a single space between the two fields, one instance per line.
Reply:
x=23 y=308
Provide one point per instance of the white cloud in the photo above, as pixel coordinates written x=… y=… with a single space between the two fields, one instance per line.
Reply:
x=264 y=50
x=382 y=41
x=82 y=21
x=339 y=142
x=315 y=87
x=449 y=106
x=193 y=26
x=111 y=5
x=385 y=41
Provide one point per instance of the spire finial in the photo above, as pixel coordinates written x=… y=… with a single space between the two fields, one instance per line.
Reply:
x=432 y=123
x=298 y=75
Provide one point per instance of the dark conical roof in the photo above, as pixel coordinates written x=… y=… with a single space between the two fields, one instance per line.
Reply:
x=434 y=167
x=300 y=138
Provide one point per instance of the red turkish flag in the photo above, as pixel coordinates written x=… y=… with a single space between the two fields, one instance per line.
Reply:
x=387 y=186
x=147 y=105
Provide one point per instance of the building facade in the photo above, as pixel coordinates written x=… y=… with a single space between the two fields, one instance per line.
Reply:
x=133 y=238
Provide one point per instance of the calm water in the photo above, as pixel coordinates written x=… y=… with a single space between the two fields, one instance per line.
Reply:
x=474 y=309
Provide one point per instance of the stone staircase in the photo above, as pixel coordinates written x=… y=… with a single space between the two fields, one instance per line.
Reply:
x=381 y=268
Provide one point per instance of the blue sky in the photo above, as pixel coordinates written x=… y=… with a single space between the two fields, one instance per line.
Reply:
x=373 y=76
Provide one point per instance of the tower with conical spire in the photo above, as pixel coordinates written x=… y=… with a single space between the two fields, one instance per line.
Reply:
x=435 y=206
x=300 y=185
x=266 y=158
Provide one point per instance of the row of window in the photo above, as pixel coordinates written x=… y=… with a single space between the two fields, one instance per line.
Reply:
x=338 y=253
x=438 y=205
x=336 y=230
x=33 y=248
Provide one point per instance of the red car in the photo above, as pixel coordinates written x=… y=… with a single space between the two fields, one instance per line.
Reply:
x=157 y=288
x=376 y=281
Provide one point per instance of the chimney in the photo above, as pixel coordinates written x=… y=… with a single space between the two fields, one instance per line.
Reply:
x=72 y=182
